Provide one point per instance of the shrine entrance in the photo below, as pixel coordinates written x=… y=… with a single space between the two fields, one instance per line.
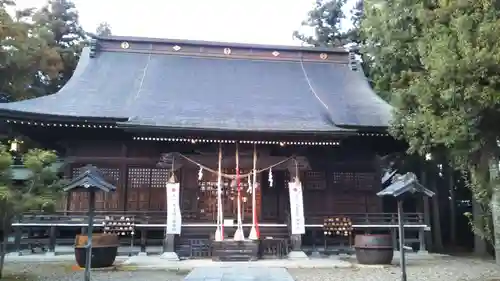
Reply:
x=207 y=199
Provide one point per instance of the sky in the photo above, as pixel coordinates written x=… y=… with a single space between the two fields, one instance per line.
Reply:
x=255 y=21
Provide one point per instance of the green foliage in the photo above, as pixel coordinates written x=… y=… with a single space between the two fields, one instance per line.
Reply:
x=450 y=98
x=44 y=188
x=440 y=62
x=39 y=48
x=104 y=29
x=5 y=176
x=325 y=18
x=390 y=31
x=40 y=192
x=60 y=18
x=24 y=54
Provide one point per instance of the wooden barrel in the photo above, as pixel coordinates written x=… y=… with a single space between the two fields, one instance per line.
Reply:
x=374 y=249
x=104 y=250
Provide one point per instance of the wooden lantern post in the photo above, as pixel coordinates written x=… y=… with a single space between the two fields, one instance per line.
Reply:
x=401 y=187
x=90 y=180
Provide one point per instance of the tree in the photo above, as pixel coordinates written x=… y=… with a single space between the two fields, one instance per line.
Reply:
x=60 y=18
x=104 y=29
x=326 y=19
x=390 y=32
x=40 y=192
x=357 y=16
x=440 y=60
x=24 y=54
x=43 y=189
x=6 y=202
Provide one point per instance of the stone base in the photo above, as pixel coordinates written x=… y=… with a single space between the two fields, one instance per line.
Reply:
x=297 y=255
x=50 y=254
x=169 y=256
x=142 y=254
x=315 y=254
x=227 y=250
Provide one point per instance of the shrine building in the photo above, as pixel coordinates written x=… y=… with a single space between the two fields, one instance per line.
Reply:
x=141 y=108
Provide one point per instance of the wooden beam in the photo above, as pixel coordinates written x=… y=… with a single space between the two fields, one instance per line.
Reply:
x=123 y=179
x=206 y=160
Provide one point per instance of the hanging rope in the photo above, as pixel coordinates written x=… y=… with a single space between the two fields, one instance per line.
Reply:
x=233 y=176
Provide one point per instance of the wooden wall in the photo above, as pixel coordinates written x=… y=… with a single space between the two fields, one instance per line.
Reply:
x=340 y=190
x=340 y=187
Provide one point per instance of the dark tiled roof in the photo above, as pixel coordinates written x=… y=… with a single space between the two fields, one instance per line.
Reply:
x=196 y=92
x=90 y=178
x=406 y=184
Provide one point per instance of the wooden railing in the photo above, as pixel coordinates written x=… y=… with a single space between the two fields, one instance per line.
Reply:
x=369 y=218
x=159 y=217
x=48 y=227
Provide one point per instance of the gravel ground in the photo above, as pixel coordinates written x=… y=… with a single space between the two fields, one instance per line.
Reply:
x=65 y=272
x=439 y=269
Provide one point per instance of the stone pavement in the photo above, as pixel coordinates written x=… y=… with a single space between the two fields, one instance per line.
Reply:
x=428 y=267
x=155 y=262
x=239 y=273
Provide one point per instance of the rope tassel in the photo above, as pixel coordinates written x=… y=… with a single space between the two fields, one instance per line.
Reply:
x=219 y=232
x=254 y=231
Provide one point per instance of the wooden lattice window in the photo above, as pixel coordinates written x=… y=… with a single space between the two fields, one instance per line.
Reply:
x=139 y=177
x=344 y=180
x=159 y=178
x=354 y=180
x=314 y=180
x=147 y=188
x=366 y=180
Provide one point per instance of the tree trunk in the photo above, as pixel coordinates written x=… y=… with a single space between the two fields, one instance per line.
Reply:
x=480 y=248
x=495 y=206
x=480 y=179
x=3 y=248
x=5 y=225
x=453 y=208
x=436 y=217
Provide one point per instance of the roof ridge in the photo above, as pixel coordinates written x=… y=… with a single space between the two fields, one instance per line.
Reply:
x=221 y=44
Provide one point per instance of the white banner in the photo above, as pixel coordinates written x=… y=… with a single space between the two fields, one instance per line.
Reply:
x=296 y=208
x=174 y=217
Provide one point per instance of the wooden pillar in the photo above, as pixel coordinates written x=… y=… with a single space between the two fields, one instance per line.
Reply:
x=296 y=242
x=67 y=195
x=52 y=240
x=18 y=230
x=68 y=174
x=170 y=243
x=150 y=189
x=426 y=209
x=453 y=208
x=123 y=179
x=394 y=238
x=421 y=239
x=144 y=234
x=436 y=217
